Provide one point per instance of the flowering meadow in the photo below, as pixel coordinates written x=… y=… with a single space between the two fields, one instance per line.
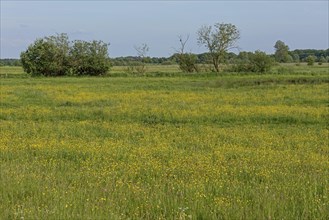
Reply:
x=190 y=147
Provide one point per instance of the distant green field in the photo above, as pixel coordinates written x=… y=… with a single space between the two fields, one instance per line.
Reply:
x=173 y=70
x=166 y=145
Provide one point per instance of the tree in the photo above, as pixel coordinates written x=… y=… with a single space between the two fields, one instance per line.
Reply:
x=186 y=61
x=310 y=60
x=322 y=60
x=89 y=58
x=282 y=52
x=244 y=56
x=141 y=52
x=303 y=54
x=10 y=62
x=55 y=56
x=258 y=62
x=218 y=40
x=261 y=62
x=47 y=56
x=296 y=58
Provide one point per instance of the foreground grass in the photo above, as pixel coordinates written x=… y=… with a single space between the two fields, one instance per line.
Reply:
x=231 y=147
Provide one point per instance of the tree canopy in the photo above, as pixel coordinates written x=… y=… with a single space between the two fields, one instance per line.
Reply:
x=57 y=56
x=282 y=52
x=218 y=40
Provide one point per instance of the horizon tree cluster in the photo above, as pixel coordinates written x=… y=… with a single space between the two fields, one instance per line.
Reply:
x=57 y=56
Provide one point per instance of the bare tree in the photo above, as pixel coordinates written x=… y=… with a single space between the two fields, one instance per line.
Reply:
x=186 y=61
x=141 y=52
x=183 y=43
x=218 y=41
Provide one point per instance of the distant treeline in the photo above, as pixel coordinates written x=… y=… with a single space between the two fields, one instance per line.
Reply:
x=204 y=58
x=296 y=56
x=303 y=54
x=10 y=62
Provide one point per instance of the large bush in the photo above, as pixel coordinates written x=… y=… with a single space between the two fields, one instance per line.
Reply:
x=187 y=62
x=261 y=62
x=89 y=58
x=258 y=62
x=310 y=60
x=48 y=56
x=57 y=56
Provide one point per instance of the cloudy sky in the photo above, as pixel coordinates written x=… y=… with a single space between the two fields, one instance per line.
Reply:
x=124 y=24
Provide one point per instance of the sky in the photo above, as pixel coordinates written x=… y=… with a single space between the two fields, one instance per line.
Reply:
x=126 y=24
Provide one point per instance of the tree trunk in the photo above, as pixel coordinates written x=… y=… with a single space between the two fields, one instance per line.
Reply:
x=215 y=61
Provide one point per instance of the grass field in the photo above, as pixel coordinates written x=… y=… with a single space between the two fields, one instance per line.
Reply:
x=235 y=146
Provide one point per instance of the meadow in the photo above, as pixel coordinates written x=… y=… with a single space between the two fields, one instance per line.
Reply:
x=165 y=145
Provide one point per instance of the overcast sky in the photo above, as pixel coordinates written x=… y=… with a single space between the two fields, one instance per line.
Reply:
x=124 y=24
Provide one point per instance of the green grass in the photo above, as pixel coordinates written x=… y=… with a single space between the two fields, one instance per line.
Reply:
x=174 y=71
x=165 y=146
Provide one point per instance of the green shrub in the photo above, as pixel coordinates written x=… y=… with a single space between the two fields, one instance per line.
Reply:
x=261 y=62
x=55 y=56
x=257 y=62
x=310 y=60
x=187 y=62
x=47 y=56
x=89 y=58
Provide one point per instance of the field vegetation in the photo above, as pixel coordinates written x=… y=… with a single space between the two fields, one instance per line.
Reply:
x=165 y=145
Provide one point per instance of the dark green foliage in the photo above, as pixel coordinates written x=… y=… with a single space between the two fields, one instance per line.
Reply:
x=205 y=58
x=310 y=60
x=54 y=56
x=261 y=62
x=322 y=60
x=257 y=62
x=47 y=56
x=187 y=62
x=89 y=58
x=303 y=54
x=10 y=62
x=282 y=52
x=295 y=58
